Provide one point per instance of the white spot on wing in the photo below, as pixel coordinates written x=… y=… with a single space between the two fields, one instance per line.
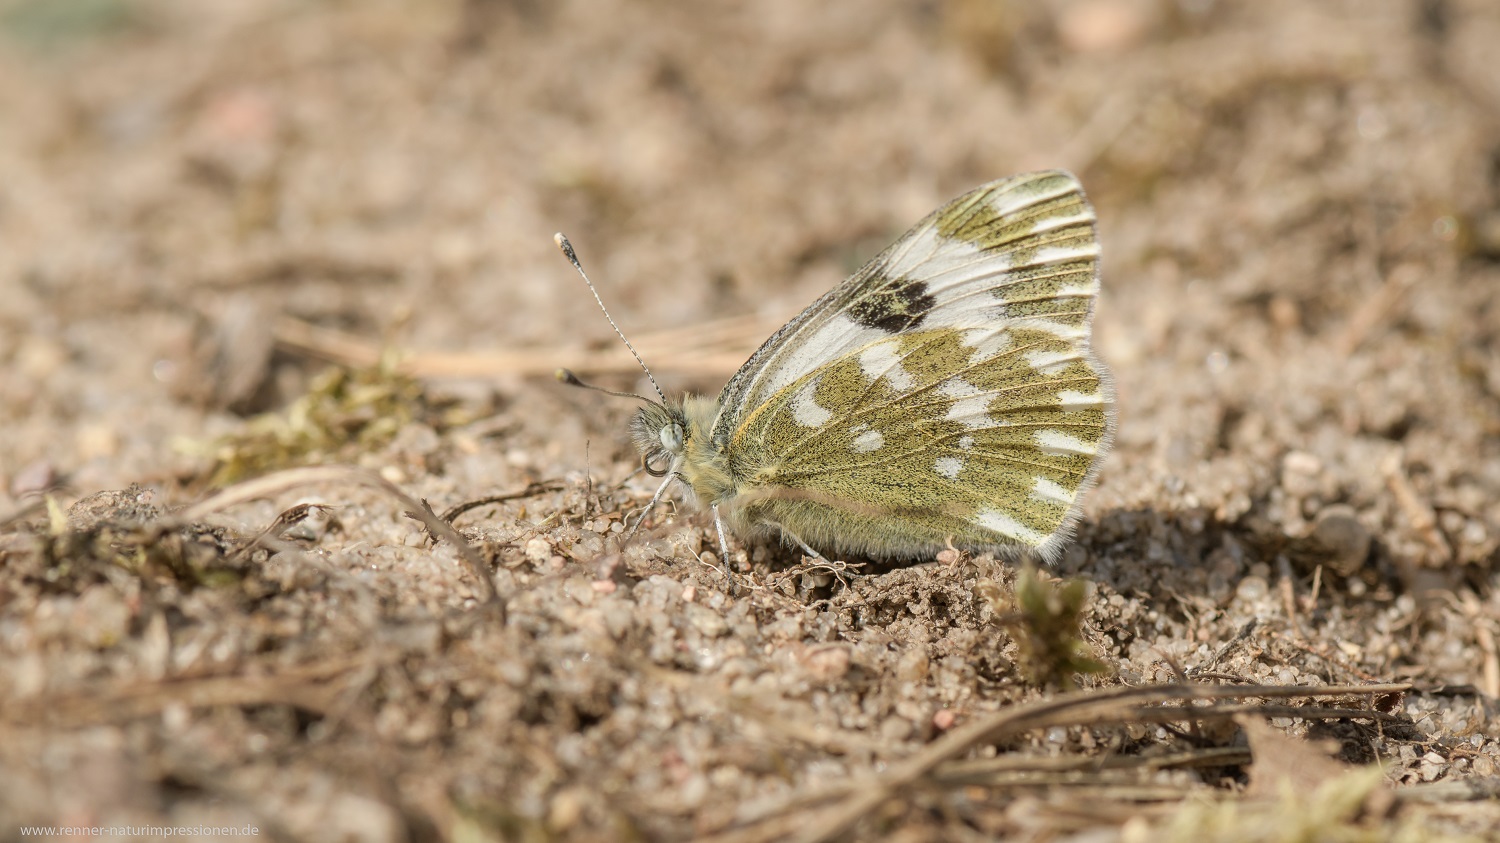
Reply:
x=929 y=256
x=870 y=440
x=1047 y=223
x=1005 y=525
x=803 y=354
x=805 y=408
x=986 y=343
x=951 y=267
x=953 y=312
x=1072 y=399
x=1061 y=330
x=1055 y=443
x=1050 y=491
x=1058 y=254
x=880 y=361
x=1051 y=362
x=965 y=442
x=948 y=466
x=1010 y=201
x=972 y=409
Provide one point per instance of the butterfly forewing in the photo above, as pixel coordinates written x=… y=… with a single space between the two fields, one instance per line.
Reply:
x=1014 y=248
x=944 y=392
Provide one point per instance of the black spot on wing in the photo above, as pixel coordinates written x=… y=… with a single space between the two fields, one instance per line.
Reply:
x=897 y=307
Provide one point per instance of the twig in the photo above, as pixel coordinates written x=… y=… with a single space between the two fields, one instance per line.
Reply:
x=531 y=490
x=710 y=348
x=271 y=484
x=1076 y=709
x=283 y=522
x=958 y=772
x=22 y=513
x=304 y=686
x=1484 y=636
x=1375 y=309
x=1418 y=512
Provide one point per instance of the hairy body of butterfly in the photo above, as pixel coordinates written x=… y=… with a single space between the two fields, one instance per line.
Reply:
x=944 y=394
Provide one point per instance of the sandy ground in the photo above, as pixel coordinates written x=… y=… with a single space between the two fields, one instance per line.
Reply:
x=202 y=204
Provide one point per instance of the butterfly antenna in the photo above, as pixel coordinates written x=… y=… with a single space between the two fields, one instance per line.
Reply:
x=566 y=376
x=567 y=250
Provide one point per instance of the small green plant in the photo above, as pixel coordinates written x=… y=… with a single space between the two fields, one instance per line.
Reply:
x=1047 y=617
x=344 y=413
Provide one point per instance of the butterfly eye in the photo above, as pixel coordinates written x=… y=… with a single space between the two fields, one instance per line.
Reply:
x=653 y=470
x=671 y=437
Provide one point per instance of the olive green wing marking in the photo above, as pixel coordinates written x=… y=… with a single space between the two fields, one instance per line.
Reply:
x=985 y=436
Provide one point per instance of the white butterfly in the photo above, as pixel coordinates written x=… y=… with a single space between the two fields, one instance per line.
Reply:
x=944 y=394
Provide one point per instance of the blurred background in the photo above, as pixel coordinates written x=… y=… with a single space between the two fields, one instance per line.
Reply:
x=187 y=189
x=205 y=203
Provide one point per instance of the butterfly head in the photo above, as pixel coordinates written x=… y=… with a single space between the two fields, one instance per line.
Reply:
x=673 y=438
x=660 y=433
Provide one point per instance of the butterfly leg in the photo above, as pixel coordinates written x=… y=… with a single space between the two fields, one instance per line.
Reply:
x=660 y=490
x=802 y=544
x=719 y=525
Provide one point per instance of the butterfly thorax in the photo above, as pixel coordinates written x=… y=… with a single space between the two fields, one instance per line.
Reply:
x=674 y=437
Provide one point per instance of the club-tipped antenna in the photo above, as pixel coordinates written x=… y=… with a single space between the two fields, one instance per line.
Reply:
x=566 y=376
x=567 y=250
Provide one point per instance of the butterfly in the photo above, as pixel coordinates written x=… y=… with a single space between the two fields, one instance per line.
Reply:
x=945 y=395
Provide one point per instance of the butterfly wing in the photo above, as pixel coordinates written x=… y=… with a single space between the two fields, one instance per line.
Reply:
x=945 y=391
